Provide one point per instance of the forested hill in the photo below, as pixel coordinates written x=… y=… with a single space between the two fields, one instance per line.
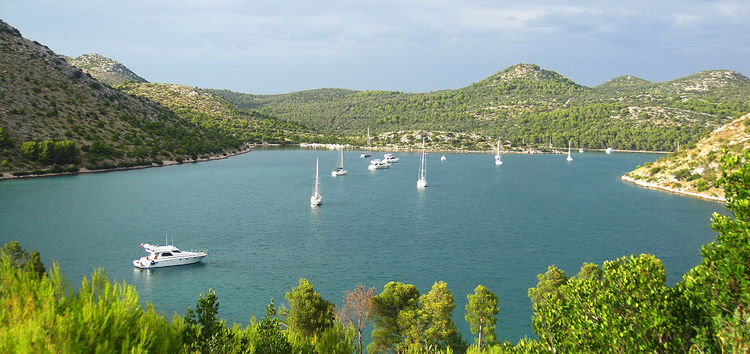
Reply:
x=528 y=105
x=55 y=118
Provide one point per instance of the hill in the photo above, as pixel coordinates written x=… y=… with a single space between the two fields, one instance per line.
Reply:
x=55 y=117
x=104 y=69
x=694 y=170
x=528 y=106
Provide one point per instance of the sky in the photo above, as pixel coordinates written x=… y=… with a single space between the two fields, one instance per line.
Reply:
x=268 y=47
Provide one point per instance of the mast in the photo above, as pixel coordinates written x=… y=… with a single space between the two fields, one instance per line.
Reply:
x=315 y=192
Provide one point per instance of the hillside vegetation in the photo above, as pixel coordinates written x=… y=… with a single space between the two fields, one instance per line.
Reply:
x=528 y=106
x=104 y=69
x=696 y=169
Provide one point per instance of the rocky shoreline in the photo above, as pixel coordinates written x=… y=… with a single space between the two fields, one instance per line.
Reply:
x=673 y=190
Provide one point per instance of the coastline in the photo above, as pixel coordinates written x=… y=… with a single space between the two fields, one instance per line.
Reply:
x=245 y=149
x=672 y=190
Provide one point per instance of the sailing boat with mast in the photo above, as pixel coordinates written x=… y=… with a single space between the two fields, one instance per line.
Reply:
x=316 y=199
x=422 y=180
x=570 y=158
x=339 y=171
x=498 y=159
x=368 y=153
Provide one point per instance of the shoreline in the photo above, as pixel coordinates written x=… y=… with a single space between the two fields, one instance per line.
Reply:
x=83 y=170
x=658 y=187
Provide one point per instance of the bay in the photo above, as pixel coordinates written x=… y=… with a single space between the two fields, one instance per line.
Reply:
x=475 y=223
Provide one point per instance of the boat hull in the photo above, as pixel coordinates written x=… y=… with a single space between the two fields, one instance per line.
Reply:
x=145 y=263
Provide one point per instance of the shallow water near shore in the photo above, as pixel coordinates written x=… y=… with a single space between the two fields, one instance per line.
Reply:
x=475 y=223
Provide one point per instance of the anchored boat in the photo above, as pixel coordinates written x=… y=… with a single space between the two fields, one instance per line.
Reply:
x=166 y=256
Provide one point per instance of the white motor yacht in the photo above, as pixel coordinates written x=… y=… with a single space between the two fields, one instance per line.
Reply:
x=166 y=256
x=376 y=164
x=389 y=158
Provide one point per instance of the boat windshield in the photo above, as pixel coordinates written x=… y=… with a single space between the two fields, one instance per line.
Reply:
x=166 y=254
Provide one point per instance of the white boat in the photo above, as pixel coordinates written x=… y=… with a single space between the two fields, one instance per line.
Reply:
x=166 y=256
x=442 y=158
x=366 y=154
x=339 y=171
x=570 y=158
x=580 y=150
x=316 y=199
x=422 y=180
x=498 y=158
x=389 y=158
x=377 y=164
x=609 y=150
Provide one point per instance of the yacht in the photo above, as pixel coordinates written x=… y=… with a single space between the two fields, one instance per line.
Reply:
x=580 y=150
x=376 y=164
x=498 y=159
x=166 y=256
x=442 y=158
x=339 y=171
x=609 y=150
x=316 y=199
x=389 y=158
x=422 y=180
x=570 y=158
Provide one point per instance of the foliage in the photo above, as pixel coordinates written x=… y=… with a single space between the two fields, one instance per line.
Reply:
x=357 y=307
x=209 y=330
x=51 y=152
x=4 y=139
x=388 y=328
x=309 y=314
x=20 y=258
x=481 y=314
x=437 y=305
x=718 y=289
x=270 y=337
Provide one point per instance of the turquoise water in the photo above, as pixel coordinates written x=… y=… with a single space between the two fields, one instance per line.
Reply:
x=476 y=223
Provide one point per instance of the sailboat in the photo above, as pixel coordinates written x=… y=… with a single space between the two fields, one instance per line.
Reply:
x=316 y=199
x=365 y=154
x=570 y=158
x=498 y=160
x=422 y=181
x=339 y=171
x=608 y=150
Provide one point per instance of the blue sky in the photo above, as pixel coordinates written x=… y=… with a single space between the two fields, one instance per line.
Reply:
x=412 y=46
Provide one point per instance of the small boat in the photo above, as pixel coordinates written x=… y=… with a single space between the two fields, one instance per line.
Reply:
x=389 y=158
x=609 y=150
x=580 y=150
x=366 y=154
x=377 y=164
x=339 y=171
x=422 y=180
x=442 y=158
x=316 y=199
x=570 y=158
x=498 y=158
x=166 y=256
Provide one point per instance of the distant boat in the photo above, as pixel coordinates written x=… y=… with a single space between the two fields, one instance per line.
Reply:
x=389 y=158
x=609 y=150
x=377 y=164
x=442 y=158
x=498 y=158
x=570 y=158
x=422 y=180
x=366 y=154
x=339 y=171
x=316 y=199
x=580 y=150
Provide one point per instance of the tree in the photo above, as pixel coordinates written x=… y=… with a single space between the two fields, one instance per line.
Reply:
x=271 y=339
x=438 y=305
x=211 y=330
x=718 y=289
x=481 y=314
x=21 y=259
x=309 y=314
x=387 y=331
x=357 y=307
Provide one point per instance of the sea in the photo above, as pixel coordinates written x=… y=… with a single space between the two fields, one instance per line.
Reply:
x=475 y=223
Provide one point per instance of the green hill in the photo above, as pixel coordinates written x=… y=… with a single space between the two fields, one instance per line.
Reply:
x=55 y=117
x=528 y=105
x=104 y=69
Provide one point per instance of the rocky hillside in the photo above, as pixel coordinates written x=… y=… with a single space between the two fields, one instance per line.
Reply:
x=53 y=115
x=104 y=69
x=529 y=106
x=694 y=170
